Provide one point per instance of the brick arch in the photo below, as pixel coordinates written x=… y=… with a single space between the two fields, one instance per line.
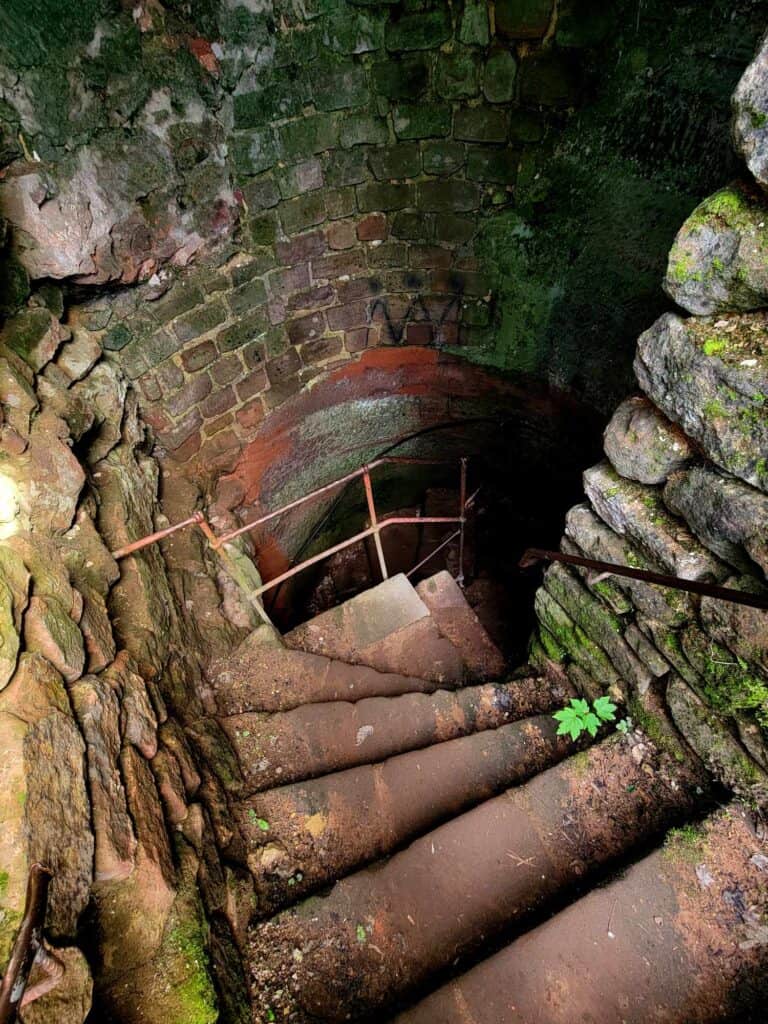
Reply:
x=431 y=401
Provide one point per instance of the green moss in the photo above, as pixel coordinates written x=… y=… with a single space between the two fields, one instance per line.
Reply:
x=714 y=346
x=714 y=409
x=195 y=996
x=686 y=844
x=655 y=729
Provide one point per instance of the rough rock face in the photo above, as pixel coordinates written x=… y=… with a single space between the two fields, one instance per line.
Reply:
x=94 y=657
x=643 y=445
x=719 y=262
x=711 y=377
x=750 y=115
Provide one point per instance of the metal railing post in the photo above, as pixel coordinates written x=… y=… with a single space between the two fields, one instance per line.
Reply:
x=374 y=522
x=462 y=519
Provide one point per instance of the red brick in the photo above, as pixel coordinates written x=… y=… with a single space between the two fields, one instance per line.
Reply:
x=419 y=334
x=169 y=377
x=199 y=356
x=306 y=328
x=339 y=264
x=373 y=228
x=349 y=291
x=283 y=366
x=321 y=349
x=189 y=448
x=390 y=254
x=218 y=402
x=214 y=426
x=430 y=257
x=353 y=314
x=183 y=430
x=290 y=280
x=222 y=451
x=302 y=247
x=251 y=414
x=252 y=385
x=254 y=354
x=341 y=234
x=357 y=340
x=318 y=296
x=226 y=368
x=281 y=392
x=150 y=387
x=194 y=391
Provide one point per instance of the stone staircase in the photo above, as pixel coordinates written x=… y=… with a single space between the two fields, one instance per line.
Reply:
x=404 y=810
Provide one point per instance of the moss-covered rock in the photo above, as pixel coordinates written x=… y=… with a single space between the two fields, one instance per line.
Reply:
x=643 y=445
x=719 y=262
x=711 y=377
x=750 y=115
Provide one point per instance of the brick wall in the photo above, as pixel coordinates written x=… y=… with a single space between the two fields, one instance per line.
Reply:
x=365 y=153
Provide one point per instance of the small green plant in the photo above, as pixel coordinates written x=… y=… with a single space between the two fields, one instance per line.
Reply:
x=624 y=725
x=578 y=717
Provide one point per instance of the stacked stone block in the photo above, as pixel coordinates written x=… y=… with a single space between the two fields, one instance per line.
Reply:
x=685 y=492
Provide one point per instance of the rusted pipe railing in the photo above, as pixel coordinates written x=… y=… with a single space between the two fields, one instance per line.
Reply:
x=377 y=525
x=534 y=555
x=198 y=519
x=28 y=950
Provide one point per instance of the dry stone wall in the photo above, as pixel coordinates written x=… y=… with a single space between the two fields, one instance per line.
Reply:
x=684 y=491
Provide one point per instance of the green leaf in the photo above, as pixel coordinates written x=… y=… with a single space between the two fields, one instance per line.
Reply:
x=580 y=706
x=564 y=729
x=592 y=724
x=361 y=934
x=564 y=715
x=263 y=824
x=605 y=709
x=576 y=729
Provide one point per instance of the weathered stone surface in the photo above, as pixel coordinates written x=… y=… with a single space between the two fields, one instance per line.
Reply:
x=14 y=857
x=499 y=77
x=638 y=513
x=574 y=641
x=33 y=334
x=9 y=637
x=70 y=1001
x=78 y=356
x=58 y=816
x=719 y=262
x=49 y=630
x=599 y=624
x=712 y=741
x=523 y=19
x=727 y=515
x=743 y=630
x=750 y=115
x=98 y=711
x=643 y=445
x=711 y=377
x=138 y=724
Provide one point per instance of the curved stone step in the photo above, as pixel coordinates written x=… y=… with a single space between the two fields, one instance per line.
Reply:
x=458 y=623
x=266 y=676
x=678 y=939
x=319 y=738
x=303 y=836
x=388 y=628
x=385 y=930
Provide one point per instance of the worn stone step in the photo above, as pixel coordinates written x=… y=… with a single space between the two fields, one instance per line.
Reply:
x=388 y=628
x=458 y=623
x=677 y=939
x=385 y=930
x=306 y=835
x=263 y=675
x=319 y=738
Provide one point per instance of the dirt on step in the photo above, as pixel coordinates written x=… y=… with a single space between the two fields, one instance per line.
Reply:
x=680 y=939
x=384 y=931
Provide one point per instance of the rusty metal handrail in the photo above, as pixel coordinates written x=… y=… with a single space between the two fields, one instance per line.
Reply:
x=534 y=555
x=28 y=949
x=374 y=530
